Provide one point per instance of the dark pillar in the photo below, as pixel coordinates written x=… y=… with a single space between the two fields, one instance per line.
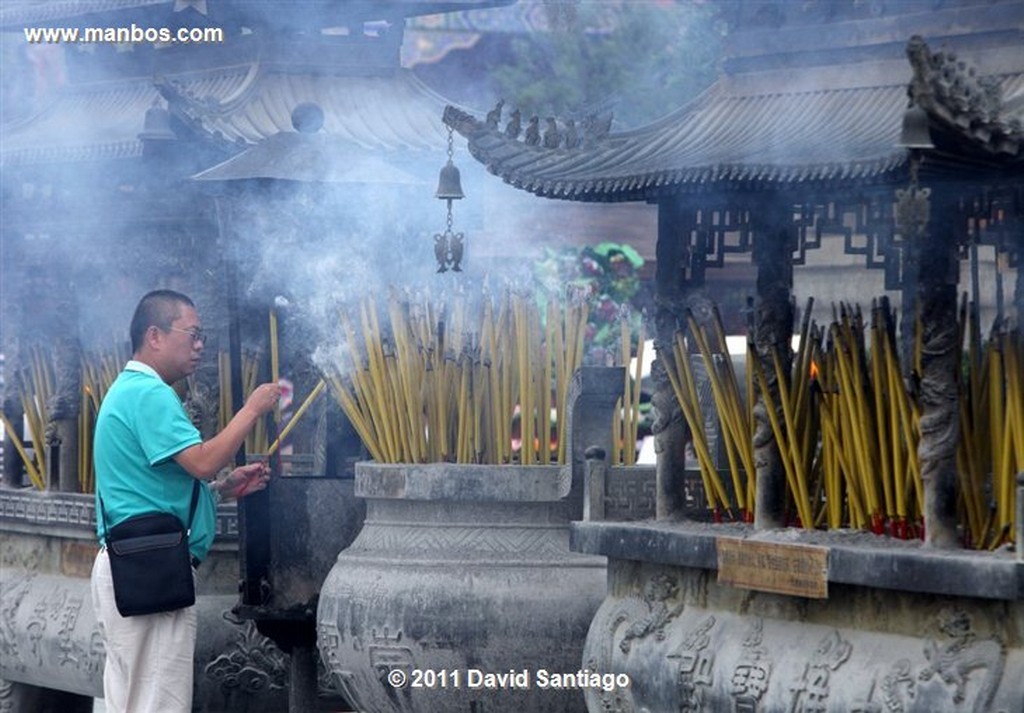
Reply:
x=66 y=401
x=940 y=357
x=302 y=681
x=773 y=332
x=909 y=297
x=669 y=427
x=210 y=295
x=253 y=510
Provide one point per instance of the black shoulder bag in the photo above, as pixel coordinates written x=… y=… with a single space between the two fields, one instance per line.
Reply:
x=150 y=561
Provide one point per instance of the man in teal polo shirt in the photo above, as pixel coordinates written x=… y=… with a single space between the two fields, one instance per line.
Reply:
x=148 y=454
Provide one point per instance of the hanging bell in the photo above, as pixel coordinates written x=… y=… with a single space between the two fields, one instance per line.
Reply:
x=915 y=133
x=449 y=183
x=157 y=125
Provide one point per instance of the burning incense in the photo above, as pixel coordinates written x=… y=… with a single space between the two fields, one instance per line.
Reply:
x=442 y=384
x=317 y=390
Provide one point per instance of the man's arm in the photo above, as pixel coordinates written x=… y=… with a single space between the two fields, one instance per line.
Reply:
x=204 y=460
x=241 y=481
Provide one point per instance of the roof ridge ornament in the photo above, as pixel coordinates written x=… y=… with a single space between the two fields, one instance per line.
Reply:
x=556 y=134
x=950 y=90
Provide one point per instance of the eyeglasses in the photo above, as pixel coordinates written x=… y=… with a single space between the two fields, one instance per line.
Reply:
x=197 y=334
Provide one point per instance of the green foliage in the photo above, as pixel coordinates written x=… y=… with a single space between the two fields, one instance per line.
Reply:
x=639 y=60
x=607 y=276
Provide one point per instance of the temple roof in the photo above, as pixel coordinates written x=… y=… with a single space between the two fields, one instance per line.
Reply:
x=764 y=139
x=771 y=130
x=308 y=157
x=233 y=108
x=82 y=123
x=244 y=106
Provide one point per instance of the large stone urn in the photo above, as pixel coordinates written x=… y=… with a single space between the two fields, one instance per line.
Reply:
x=460 y=571
x=460 y=593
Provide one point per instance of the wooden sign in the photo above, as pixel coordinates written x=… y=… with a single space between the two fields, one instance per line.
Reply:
x=797 y=570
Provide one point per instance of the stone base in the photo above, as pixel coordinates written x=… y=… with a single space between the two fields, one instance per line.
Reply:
x=459 y=571
x=49 y=639
x=689 y=642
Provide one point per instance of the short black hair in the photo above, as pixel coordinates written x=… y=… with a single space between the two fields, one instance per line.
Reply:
x=158 y=308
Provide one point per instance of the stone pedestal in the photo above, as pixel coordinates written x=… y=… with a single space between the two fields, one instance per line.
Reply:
x=462 y=571
x=901 y=628
x=51 y=651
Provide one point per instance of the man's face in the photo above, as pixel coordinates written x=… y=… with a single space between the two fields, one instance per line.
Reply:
x=180 y=349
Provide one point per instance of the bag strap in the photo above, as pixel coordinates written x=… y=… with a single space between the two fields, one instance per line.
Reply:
x=191 y=509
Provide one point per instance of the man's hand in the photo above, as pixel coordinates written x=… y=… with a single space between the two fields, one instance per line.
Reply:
x=243 y=480
x=264 y=398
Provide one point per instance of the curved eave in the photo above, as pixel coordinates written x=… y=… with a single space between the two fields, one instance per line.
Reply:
x=117 y=151
x=234 y=108
x=310 y=158
x=81 y=124
x=695 y=179
x=246 y=105
x=774 y=141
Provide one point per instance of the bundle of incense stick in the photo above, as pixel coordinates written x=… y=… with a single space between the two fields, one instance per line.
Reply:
x=991 y=448
x=38 y=381
x=845 y=423
x=37 y=384
x=451 y=382
x=737 y=424
x=1006 y=407
x=848 y=429
x=30 y=466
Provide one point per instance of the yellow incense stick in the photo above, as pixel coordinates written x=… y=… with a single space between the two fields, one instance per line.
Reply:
x=295 y=419
x=33 y=473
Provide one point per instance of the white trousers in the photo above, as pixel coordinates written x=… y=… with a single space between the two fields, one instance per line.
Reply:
x=149 y=658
